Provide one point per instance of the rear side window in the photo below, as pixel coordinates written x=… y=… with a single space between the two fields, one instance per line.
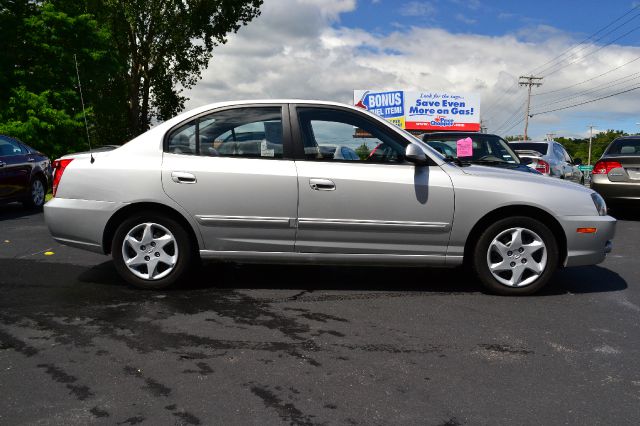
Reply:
x=624 y=147
x=254 y=132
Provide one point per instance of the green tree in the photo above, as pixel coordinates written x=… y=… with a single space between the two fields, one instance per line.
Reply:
x=363 y=151
x=39 y=100
x=165 y=44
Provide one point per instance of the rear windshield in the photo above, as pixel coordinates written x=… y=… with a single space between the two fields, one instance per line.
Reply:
x=527 y=146
x=624 y=147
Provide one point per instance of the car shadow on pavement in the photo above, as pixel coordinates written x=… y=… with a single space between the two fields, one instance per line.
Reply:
x=625 y=213
x=16 y=211
x=588 y=279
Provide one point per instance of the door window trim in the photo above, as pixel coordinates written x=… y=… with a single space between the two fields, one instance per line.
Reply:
x=297 y=137
x=287 y=144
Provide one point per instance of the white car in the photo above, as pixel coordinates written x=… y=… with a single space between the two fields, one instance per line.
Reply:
x=550 y=158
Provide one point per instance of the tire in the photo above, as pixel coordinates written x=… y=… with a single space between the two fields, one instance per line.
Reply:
x=37 y=193
x=518 y=269
x=152 y=241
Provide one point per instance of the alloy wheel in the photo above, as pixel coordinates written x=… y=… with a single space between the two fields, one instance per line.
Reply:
x=150 y=251
x=37 y=192
x=517 y=257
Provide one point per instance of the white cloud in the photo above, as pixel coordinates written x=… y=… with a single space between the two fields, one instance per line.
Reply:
x=297 y=49
x=417 y=8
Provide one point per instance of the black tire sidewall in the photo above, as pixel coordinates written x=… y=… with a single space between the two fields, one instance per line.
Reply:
x=28 y=201
x=185 y=251
x=480 y=255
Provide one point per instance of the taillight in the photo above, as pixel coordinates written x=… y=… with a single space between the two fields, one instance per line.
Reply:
x=543 y=167
x=604 y=167
x=58 y=169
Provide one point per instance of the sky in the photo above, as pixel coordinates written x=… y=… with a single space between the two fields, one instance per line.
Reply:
x=324 y=49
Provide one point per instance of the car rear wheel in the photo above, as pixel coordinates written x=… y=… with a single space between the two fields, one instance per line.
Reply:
x=516 y=256
x=152 y=251
x=37 y=193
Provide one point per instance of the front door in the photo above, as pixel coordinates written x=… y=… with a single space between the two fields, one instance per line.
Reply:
x=229 y=170
x=357 y=193
x=15 y=169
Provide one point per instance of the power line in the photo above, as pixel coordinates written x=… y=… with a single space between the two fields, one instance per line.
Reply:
x=592 y=52
x=588 y=38
x=594 y=89
x=513 y=116
x=588 y=80
x=586 y=102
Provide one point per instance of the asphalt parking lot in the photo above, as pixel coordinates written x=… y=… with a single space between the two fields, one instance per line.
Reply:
x=248 y=344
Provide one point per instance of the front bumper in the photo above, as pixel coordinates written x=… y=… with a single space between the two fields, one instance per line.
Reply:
x=588 y=249
x=79 y=223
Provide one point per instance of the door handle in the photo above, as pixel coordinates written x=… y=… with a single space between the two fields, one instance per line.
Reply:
x=183 y=177
x=31 y=160
x=322 y=184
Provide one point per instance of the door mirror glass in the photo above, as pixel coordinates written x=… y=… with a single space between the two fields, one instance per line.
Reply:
x=415 y=155
x=577 y=161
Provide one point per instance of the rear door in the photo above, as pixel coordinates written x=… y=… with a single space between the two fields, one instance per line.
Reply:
x=373 y=203
x=15 y=169
x=231 y=169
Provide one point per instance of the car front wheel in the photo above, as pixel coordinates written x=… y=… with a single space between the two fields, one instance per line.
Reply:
x=152 y=251
x=516 y=256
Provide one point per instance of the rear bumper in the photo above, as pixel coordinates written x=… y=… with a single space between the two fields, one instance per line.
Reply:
x=615 y=191
x=588 y=249
x=79 y=223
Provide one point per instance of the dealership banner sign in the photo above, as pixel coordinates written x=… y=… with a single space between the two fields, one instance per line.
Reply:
x=423 y=110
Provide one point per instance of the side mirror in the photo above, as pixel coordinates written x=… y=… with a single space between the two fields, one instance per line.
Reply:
x=414 y=154
x=526 y=161
x=577 y=161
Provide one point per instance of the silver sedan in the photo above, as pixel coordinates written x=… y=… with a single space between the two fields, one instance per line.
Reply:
x=260 y=181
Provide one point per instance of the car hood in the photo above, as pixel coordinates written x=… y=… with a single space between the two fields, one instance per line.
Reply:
x=519 y=176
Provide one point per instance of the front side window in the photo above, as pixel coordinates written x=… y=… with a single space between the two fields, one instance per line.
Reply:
x=253 y=132
x=10 y=148
x=334 y=135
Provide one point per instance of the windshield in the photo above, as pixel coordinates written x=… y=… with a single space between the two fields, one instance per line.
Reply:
x=531 y=146
x=485 y=148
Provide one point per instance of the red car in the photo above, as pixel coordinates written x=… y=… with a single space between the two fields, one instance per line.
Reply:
x=25 y=174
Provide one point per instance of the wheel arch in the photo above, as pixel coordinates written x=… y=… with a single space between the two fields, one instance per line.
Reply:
x=119 y=216
x=517 y=210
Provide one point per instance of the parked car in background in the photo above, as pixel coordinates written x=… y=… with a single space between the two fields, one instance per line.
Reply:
x=616 y=175
x=550 y=158
x=158 y=210
x=25 y=174
x=488 y=149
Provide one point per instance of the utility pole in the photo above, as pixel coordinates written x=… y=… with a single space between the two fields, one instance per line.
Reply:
x=483 y=128
x=528 y=81
x=591 y=126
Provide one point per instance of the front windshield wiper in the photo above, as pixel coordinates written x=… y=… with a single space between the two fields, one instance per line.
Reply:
x=456 y=160
x=492 y=162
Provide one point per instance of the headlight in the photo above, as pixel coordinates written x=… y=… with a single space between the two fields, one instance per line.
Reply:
x=601 y=206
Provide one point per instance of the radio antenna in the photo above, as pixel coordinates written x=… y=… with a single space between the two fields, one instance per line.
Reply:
x=84 y=114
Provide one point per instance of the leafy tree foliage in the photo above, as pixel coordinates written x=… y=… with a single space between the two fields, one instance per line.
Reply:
x=39 y=99
x=363 y=151
x=165 y=44
x=135 y=58
x=579 y=148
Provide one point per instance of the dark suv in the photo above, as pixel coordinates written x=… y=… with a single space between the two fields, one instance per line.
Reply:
x=25 y=174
